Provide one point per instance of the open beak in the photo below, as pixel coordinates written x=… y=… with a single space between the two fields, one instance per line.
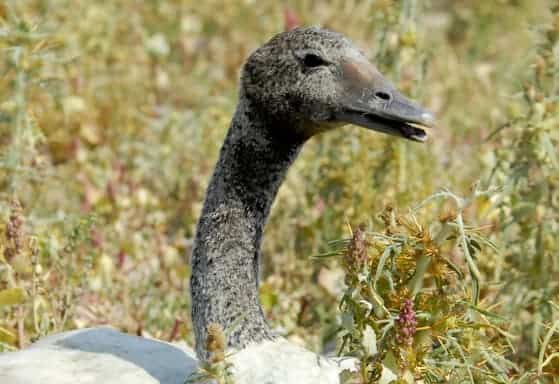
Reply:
x=370 y=101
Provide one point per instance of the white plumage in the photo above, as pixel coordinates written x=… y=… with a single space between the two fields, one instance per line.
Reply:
x=105 y=356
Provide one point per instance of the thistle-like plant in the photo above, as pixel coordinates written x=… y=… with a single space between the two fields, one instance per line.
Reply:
x=216 y=369
x=411 y=300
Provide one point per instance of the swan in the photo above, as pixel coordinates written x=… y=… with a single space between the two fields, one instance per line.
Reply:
x=300 y=83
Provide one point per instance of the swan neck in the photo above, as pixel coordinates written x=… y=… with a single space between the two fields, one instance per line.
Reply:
x=225 y=261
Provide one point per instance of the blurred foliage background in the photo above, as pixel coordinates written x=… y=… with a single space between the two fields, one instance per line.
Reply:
x=112 y=114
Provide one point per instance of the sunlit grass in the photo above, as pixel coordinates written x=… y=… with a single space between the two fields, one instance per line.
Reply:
x=112 y=113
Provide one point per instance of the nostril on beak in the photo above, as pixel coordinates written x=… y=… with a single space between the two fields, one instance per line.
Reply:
x=383 y=95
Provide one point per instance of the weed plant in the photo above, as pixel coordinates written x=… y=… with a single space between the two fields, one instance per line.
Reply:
x=110 y=123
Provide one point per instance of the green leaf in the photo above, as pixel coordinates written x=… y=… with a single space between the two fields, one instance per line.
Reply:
x=12 y=296
x=454 y=268
x=268 y=298
x=7 y=336
x=550 y=150
x=347 y=321
x=485 y=312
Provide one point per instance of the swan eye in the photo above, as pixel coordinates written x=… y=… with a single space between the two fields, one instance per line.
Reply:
x=311 y=60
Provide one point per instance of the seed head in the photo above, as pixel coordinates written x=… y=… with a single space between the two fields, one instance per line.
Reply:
x=406 y=324
x=216 y=341
x=14 y=230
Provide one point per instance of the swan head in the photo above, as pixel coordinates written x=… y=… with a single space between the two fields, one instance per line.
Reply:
x=315 y=79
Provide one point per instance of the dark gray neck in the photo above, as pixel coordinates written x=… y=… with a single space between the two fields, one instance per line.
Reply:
x=225 y=261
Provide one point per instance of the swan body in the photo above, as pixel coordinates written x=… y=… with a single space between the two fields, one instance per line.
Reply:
x=98 y=355
x=299 y=84
x=104 y=355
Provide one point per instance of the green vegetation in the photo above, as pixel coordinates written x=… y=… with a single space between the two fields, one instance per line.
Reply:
x=111 y=116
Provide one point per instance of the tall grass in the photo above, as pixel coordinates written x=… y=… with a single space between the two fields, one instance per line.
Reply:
x=111 y=116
